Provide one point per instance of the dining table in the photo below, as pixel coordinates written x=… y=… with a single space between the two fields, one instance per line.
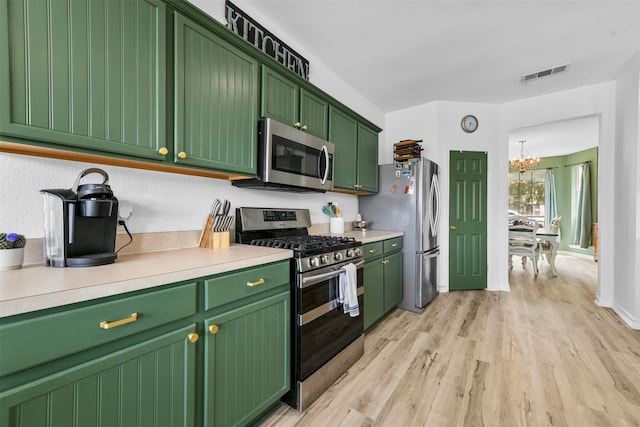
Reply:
x=548 y=244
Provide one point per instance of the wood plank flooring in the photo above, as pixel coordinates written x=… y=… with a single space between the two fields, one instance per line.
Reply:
x=541 y=355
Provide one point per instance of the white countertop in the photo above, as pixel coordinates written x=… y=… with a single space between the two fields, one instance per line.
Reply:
x=38 y=287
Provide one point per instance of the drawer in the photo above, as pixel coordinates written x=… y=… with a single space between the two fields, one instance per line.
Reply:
x=226 y=288
x=30 y=342
x=392 y=245
x=372 y=250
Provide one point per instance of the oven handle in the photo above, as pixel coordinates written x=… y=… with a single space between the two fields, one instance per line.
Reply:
x=319 y=311
x=308 y=281
x=323 y=177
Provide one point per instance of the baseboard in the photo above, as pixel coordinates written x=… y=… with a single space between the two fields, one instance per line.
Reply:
x=626 y=317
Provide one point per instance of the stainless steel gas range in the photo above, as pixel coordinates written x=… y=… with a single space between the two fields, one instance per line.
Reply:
x=325 y=340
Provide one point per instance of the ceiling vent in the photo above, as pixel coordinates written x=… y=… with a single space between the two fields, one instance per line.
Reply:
x=560 y=68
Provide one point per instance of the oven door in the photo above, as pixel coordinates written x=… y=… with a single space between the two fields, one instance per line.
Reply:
x=292 y=157
x=323 y=329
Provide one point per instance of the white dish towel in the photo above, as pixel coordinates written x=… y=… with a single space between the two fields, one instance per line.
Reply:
x=348 y=295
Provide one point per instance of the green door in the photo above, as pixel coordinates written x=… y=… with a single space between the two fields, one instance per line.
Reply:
x=392 y=280
x=367 y=176
x=280 y=97
x=147 y=384
x=87 y=74
x=468 y=220
x=343 y=133
x=373 y=276
x=314 y=114
x=247 y=361
x=216 y=106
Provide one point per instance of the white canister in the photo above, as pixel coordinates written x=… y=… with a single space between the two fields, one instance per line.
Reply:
x=336 y=225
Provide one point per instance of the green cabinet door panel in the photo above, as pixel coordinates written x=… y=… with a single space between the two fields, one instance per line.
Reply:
x=373 y=292
x=87 y=74
x=280 y=98
x=247 y=361
x=148 y=384
x=314 y=114
x=216 y=101
x=392 y=281
x=367 y=176
x=343 y=133
x=468 y=220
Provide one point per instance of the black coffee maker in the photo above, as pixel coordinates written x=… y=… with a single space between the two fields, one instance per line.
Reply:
x=80 y=224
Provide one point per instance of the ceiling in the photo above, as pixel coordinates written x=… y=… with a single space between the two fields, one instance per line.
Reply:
x=404 y=53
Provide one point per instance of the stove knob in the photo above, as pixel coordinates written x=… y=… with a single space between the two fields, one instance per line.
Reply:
x=349 y=253
x=324 y=259
x=337 y=256
x=315 y=261
x=358 y=251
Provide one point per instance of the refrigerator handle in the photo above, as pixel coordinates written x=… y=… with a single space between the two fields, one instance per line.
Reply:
x=432 y=211
x=437 y=203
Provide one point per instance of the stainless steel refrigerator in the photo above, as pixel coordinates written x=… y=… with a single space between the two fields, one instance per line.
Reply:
x=408 y=200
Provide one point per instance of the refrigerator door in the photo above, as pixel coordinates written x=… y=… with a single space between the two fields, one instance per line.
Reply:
x=430 y=207
x=427 y=264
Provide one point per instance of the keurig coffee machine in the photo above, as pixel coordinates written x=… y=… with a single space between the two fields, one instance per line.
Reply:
x=80 y=224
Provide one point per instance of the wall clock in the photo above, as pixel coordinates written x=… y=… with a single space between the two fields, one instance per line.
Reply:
x=469 y=123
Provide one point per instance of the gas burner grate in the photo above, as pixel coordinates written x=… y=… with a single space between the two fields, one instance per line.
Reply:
x=305 y=243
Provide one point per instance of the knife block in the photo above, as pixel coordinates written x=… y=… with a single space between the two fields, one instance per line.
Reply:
x=214 y=240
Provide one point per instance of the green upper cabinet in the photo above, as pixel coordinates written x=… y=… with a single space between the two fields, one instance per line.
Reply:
x=283 y=100
x=87 y=74
x=216 y=101
x=356 y=155
x=367 y=176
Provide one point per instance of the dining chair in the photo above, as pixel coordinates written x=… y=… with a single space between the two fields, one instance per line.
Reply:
x=543 y=245
x=523 y=242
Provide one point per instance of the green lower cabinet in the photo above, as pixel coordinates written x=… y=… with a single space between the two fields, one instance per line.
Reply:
x=373 y=293
x=147 y=384
x=247 y=360
x=382 y=279
x=392 y=281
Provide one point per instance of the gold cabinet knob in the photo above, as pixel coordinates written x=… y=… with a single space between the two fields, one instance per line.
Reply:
x=297 y=124
x=182 y=155
x=386 y=261
x=213 y=329
x=163 y=151
x=358 y=186
x=193 y=337
x=454 y=227
x=305 y=127
x=372 y=251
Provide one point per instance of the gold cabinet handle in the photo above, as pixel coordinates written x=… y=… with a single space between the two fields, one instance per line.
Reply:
x=213 y=329
x=182 y=155
x=297 y=124
x=305 y=127
x=372 y=251
x=393 y=245
x=193 y=337
x=163 y=151
x=256 y=283
x=108 y=325
x=386 y=261
x=454 y=228
x=358 y=185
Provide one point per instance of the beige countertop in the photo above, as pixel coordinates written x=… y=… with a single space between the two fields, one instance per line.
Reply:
x=37 y=287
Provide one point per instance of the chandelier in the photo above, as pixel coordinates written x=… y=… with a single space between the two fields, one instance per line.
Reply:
x=523 y=164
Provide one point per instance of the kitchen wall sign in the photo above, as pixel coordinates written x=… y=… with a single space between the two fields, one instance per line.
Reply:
x=247 y=28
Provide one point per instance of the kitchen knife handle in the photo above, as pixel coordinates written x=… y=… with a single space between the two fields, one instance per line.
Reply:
x=256 y=283
x=108 y=325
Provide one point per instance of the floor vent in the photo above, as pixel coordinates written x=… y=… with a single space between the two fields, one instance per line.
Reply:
x=554 y=70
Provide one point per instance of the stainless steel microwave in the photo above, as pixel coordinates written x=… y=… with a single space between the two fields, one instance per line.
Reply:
x=291 y=160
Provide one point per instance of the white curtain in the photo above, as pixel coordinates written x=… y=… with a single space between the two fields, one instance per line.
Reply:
x=550 y=204
x=582 y=229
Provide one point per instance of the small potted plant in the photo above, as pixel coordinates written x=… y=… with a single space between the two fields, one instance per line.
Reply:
x=11 y=251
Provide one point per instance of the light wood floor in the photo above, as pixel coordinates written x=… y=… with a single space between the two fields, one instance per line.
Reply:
x=543 y=354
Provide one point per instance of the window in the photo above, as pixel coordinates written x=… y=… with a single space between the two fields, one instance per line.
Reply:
x=526 y=193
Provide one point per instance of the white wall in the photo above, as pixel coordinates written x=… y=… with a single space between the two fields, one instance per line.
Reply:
x=438 y=125
x=626 y=293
